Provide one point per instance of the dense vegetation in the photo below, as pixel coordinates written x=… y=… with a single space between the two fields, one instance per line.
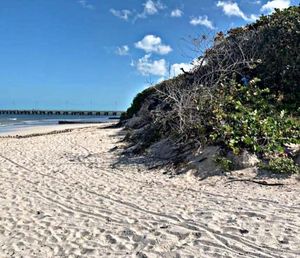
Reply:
x=244 y=94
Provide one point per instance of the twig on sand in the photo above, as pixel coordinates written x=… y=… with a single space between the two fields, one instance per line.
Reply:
x=255 y=181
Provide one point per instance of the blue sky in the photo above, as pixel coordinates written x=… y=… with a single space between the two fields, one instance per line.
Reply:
x=97 y=54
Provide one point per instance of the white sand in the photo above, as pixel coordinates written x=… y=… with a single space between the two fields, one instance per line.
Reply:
x=45 y=129
x=61 y=197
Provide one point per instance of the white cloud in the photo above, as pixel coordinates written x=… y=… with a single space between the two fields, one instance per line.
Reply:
x=271 y=5
x=202 y=20
x=122 y=14
x=233 y=9
x=150 y=8
x=176 y=68
x=153 y=44
x=86 y=4
x=148 y=67
x=253 y=17
x=176 y=13
x=123 y=50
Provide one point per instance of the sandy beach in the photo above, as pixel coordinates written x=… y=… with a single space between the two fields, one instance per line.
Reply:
x=70 y=195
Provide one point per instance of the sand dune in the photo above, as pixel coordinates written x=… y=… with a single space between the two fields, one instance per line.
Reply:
x=62 y=195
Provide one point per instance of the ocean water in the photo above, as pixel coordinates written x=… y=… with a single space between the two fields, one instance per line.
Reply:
x=10 y=123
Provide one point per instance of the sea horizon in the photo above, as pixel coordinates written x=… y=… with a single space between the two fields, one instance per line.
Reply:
x=17 y=122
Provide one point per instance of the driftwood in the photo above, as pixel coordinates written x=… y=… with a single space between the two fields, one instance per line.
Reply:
x=255 y=181
x=37 y=134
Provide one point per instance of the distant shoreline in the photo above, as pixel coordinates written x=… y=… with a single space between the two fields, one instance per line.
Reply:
x=66 y=122
x=20 y=122
x=45 y=129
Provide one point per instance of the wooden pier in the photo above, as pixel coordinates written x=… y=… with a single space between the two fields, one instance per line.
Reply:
x=61 y=112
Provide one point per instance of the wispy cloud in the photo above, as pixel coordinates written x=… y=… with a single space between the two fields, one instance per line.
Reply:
x=233 y=9
x=146 y=66
x=271 y=5
x=153 y=44
x=122 y=14
x=202 y=20
x=123 y=50
x=176 y=13
x=151 y=8
x=86 y=4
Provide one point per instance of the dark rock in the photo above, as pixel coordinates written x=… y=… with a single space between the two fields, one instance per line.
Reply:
x=164 y=226
x=244 y=231
x=113 y=149
x=141 y=255
x=197 y=234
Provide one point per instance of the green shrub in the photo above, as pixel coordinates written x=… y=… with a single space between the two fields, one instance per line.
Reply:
x=245 y=118
x=225 y=163
x=276 y=41
x=281 y=165
x=137 y=103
